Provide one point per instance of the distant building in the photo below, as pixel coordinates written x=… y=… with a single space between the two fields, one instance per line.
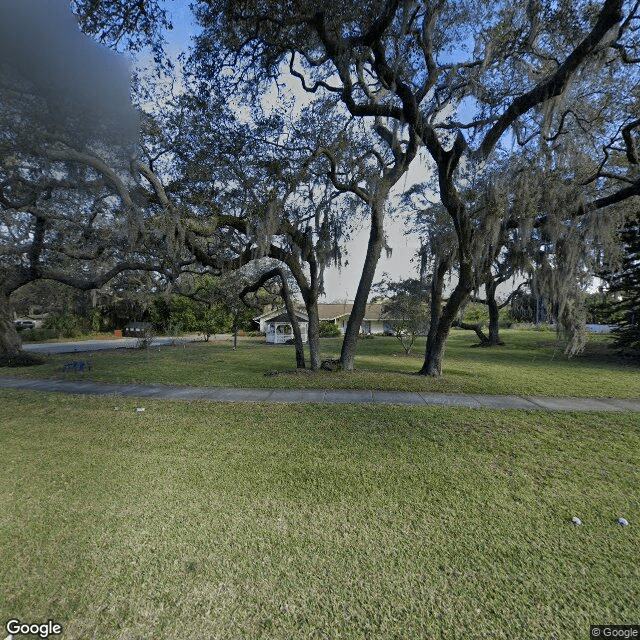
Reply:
x=137 y=328
x=275 y=324
x=338 y=314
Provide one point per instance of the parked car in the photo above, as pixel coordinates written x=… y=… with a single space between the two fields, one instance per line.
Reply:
x=21 y=325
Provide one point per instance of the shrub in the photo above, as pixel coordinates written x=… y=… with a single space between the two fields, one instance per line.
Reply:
x=65 y=325
x=476 y=313
x=505 y=320
x=212 y=320
x=145 y=340
x=21 y=359
x=37 y=335
x=97 y=321
x=328 y=329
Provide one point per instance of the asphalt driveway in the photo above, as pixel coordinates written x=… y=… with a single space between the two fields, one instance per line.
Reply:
x=99 y=345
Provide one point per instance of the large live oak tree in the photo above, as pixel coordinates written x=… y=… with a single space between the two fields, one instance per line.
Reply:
x=76 y=221
x=243 y=196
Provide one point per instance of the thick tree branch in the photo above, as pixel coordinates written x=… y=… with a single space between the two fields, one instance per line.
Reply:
x=609 y=16
x=632 y=151
x=600 y=203
x=317 y=85
x=375 y=32
x=68 y=154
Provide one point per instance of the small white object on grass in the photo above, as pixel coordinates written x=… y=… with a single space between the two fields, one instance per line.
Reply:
x=139 y=409
x=622 y=522
x=575 y=520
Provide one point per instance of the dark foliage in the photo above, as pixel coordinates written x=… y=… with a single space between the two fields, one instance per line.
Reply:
x=626 y=282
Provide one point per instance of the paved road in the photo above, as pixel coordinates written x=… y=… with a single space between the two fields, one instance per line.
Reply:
x=98 y=345
x=319 y=396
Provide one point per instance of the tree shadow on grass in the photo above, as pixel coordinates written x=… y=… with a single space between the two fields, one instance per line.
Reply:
x=21 y=359
x=606 y=354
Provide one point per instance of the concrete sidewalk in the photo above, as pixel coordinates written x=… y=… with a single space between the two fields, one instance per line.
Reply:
x=320 y=396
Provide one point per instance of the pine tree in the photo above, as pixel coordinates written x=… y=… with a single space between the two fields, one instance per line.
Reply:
x=625 y=281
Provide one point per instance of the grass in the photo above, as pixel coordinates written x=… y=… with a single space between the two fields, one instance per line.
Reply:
x=531 y=363
x=201 y=521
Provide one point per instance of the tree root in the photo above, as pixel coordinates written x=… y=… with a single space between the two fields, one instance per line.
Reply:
x=331 y=364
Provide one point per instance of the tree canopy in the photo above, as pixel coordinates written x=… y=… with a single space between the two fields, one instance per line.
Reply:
x=471 y=80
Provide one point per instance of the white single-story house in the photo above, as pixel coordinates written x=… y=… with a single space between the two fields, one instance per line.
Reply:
x=338 y=314
x=276 y=326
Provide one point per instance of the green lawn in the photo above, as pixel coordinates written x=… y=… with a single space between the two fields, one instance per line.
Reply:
x=202 y=521
x=531 y=363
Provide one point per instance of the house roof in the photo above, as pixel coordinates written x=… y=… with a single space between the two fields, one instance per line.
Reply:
x=334 y=311
x=328 y=312
x=280 y=312
x=284 y=317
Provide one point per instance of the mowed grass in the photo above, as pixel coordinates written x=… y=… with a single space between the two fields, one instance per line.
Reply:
x=531 y=363
x=203 y=521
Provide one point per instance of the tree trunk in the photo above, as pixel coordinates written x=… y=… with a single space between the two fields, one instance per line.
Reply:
x=374 y=248
x=297 y=339
x=437 y=287
x=311 y=304
x=484 y=341
x=442 y=321
x=310 y=292
x=434 y=352
x=285 y=293
x=437 y=338
x=10 y=342
x=295 y=325
x=494 y=313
